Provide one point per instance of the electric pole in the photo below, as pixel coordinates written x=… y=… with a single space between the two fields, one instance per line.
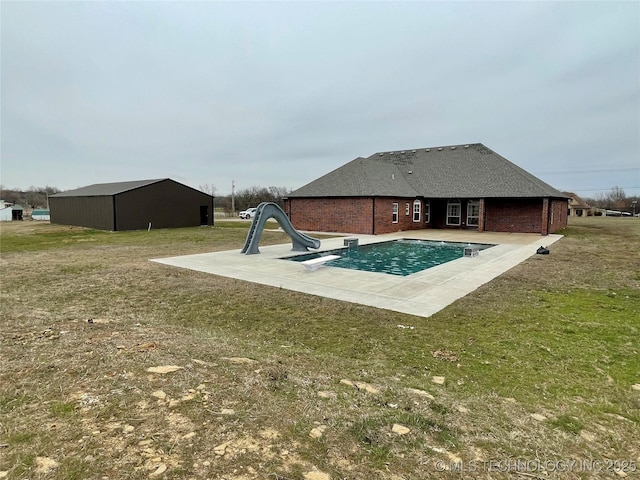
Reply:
x=233 y=197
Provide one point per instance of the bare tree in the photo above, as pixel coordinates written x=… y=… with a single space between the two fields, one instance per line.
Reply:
x=36 y=198
x=251 y=197
x=11 y=195
x=617 y=198
x=50 y=190
x=208 y=188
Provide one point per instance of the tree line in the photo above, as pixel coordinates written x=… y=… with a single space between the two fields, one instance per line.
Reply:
x=615 y=199
x=33 y=197
x=247 y=198
x=37 y=197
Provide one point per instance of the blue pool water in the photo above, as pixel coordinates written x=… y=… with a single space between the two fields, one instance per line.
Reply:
x=396 y=257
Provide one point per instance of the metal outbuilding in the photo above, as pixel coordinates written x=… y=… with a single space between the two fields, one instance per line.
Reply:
x=135 y=205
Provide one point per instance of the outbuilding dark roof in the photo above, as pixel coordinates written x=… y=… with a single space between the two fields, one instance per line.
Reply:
x=106 y=189
x=466 y=171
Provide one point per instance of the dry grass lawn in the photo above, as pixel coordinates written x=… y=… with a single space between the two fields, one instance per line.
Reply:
x=533 y=371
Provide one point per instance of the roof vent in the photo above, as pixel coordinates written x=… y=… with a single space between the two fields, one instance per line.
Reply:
x=440 y=149
x=381 y=154
x=466 y=146
x=410 y=172
x=392 y=153
x=453 y=148
x=428 y=150
x=413 y=151
x=402 y=153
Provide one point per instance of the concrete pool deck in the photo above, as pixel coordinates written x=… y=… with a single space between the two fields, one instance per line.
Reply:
x=423 y=293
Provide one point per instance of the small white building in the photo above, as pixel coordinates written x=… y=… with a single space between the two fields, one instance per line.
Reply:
x=40 y=215
x=6 y=211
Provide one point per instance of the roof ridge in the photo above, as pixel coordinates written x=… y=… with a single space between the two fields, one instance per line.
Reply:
x=109 y=188
x=416 y=150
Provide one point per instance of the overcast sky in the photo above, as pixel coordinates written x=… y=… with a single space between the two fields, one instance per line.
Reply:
x=278 y=94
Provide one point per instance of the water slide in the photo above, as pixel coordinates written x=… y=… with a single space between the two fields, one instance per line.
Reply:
x=265 y=211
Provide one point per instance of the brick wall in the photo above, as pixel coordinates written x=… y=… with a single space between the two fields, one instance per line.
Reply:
x=341 y=215
x=521 y=215
x=354 y=215
x=384 y=215
x=558 y=220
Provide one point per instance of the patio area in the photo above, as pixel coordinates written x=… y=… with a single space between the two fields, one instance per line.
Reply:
x=423 y=293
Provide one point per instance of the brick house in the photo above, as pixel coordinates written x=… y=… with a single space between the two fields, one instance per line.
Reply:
x=577 y=206
x=456 y=187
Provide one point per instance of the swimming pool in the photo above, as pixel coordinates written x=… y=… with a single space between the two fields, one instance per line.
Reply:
x=396 y=257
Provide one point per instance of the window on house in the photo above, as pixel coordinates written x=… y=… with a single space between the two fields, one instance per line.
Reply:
x=406 y=209
x=453 y=212
x=416 y=210
x=427 y=212
x=473 y=212
x=394 y=215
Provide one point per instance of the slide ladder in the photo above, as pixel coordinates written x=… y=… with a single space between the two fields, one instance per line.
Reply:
x=265 y=211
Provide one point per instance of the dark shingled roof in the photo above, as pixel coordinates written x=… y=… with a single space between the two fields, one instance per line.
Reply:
x=466 y=171
x=106 y=189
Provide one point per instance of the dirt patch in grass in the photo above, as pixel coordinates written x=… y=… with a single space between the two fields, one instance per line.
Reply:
x=538 y=366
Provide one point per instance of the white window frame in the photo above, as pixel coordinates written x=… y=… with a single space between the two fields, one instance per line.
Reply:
x=427 y=212
x=417 y=210
x=473 y=220
x=450 y=213
x=394 y=213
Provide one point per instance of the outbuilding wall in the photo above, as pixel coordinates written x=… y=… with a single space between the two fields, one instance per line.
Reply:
x=91 y=212
x=165 y=204
x=6 y=214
